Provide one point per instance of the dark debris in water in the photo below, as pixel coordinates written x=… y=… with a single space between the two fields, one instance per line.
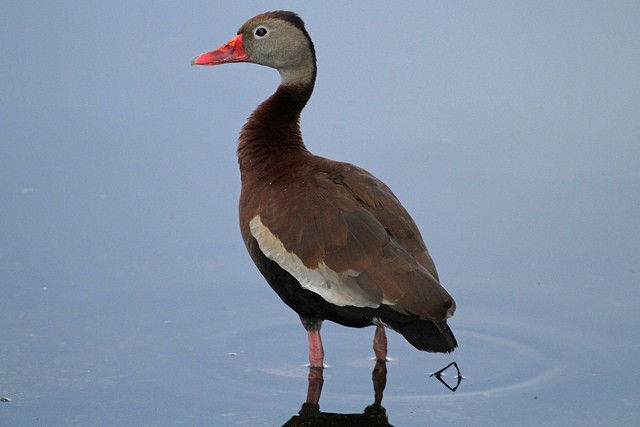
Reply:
x=441 y=373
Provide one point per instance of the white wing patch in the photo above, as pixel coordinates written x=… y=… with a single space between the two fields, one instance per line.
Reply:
x=337 y=288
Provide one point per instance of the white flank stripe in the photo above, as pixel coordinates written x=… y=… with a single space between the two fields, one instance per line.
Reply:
x=337 y=288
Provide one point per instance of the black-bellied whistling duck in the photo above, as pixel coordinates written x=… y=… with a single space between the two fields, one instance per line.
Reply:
x=330 y=238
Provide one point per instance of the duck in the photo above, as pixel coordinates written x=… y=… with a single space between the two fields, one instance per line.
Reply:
x=331 y=239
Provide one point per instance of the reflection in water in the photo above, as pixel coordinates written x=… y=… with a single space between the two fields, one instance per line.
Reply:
x=311 y=416
x=373 y=415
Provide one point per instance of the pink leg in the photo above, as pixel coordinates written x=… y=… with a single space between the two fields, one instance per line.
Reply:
x=316 y=352
x=380 y=343
x=315 y=385
x=379 y=377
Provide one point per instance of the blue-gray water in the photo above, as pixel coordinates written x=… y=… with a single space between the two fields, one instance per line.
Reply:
x=509 y=131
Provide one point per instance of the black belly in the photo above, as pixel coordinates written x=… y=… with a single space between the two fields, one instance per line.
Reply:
x=306 y=303
x=422 y=334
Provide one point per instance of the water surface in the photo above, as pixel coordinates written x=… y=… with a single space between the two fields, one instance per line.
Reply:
x=508 y=131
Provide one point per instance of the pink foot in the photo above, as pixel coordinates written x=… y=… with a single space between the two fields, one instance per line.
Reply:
x=380 y=343
x=316 y=352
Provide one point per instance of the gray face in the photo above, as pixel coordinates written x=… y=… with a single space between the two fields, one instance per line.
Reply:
x=278 y=44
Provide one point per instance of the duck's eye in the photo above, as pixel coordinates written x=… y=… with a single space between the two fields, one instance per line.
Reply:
x=261 y=32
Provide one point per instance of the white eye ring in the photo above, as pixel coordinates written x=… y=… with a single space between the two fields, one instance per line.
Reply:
x=261 y=32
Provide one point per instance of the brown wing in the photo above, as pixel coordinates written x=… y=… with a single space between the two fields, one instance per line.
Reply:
x=343 y=220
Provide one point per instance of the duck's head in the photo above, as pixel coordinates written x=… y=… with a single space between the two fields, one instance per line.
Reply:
x=275 y=39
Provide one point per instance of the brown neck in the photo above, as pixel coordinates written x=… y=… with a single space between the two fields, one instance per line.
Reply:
x=272 y=133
